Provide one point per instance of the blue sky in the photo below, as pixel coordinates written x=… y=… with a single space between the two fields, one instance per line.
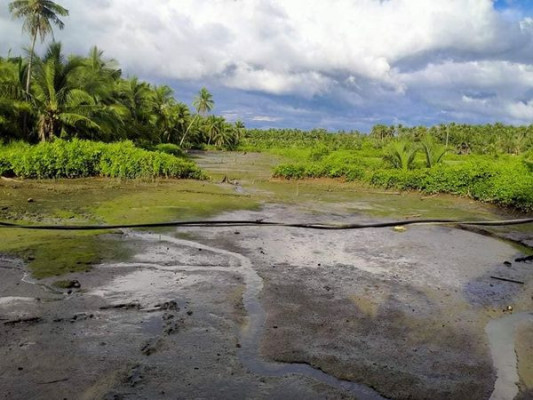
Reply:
x=525 y=6
x=341 y=64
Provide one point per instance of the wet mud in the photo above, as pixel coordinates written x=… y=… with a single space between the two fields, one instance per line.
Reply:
x=272 y=313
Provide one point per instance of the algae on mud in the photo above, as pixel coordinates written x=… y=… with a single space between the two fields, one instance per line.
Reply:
x=98 y=200
x=101 y=200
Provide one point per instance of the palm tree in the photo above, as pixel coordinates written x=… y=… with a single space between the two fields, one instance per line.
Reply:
x=138 y=98
x=203 y=103
x=13 y=103
x=97 y=76
x=38 y=15
x=433 y=151
x=240 y=130
x=400 y=154
x=59 y=103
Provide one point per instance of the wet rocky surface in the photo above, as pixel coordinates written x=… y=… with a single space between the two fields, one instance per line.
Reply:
x=270 y=313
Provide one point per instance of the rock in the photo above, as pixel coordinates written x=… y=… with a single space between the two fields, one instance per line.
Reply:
x=135 y=375
x=151 y=346
x=68 y=284
x=113 y=396
x=125 y=306
x=507 y=263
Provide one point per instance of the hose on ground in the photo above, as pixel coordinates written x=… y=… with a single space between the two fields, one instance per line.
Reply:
x=260 y=222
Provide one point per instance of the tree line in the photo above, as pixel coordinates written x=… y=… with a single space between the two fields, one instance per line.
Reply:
x=53 y=95
x=456 y=138
x=88 y=98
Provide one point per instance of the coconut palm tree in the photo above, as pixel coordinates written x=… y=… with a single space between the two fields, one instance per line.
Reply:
x=38 y=17
x=62 y=106
x=13 y=103
x=97 y=76
x=203 y=103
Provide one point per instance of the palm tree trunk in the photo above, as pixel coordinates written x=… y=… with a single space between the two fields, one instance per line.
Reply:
x=28 y=81
x=28 y=77
x=187 y=130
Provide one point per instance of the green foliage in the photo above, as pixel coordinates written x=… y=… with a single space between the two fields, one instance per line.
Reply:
x=87 y=98
x=81 y=158
x=507 y=183
x=170 y=148
x=319 y=152
x=262 y=140
x=433 y=151
x=502 y=179
x=341 y=164
x=528 y=160
x=400 y=154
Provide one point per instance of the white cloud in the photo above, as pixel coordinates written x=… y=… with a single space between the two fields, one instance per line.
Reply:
x=264 y=118
x=354 y=50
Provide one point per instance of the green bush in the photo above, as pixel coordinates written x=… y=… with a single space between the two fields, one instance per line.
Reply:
x=508 y=184
x=170 y=148
x=504 y=180
x=81 y=158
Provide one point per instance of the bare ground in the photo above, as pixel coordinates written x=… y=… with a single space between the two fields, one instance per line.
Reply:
x=402 y=313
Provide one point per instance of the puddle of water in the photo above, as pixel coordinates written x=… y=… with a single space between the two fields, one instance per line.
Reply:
x=8 y=301
x=152 y=325
x=501 y=335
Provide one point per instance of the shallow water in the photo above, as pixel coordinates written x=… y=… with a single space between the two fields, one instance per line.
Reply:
x=501 y=334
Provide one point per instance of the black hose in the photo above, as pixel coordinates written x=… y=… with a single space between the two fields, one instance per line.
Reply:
x=260 y=222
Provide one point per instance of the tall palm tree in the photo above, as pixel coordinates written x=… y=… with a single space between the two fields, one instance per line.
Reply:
x=59 y=103
x=97 y=75
x=38 y=16
x=203 y=103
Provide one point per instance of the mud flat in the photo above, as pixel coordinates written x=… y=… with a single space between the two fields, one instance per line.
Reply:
x=265 y=312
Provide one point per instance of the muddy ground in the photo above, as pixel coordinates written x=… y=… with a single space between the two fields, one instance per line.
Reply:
x=276 y=313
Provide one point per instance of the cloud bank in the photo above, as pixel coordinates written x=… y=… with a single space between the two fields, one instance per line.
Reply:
x=336 y=64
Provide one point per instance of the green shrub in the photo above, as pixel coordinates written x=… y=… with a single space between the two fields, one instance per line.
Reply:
x=504 y=180
x=170 y=148
x=319 y=152
x=81 y=158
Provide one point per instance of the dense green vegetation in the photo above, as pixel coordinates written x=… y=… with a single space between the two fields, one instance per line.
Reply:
x=73 y=105
x=88 y=98
x=82 y=158
x=491 y=163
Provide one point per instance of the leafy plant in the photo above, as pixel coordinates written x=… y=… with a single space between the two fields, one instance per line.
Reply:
x=433 y=151
x=400 y=154
x=82 y=158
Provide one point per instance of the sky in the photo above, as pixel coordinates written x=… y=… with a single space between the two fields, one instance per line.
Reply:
x=336 y=64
